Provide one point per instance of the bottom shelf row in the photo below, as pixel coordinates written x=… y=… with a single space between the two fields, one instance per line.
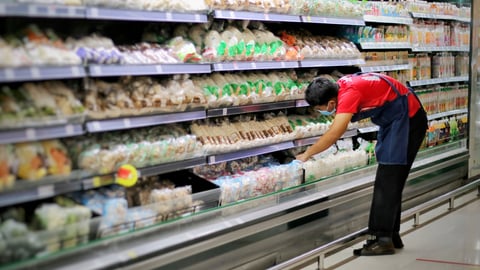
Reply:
x=44 y=227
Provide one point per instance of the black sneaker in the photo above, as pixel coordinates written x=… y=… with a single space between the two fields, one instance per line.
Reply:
x=375 y=248
x=397 y=241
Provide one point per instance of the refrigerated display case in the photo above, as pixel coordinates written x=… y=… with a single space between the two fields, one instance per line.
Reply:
x=210 y=229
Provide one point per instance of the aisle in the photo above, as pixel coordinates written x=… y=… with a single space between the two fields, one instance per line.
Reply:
x=451 y=242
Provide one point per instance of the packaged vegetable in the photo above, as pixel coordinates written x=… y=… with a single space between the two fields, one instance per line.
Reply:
x=31 y=161
x=7 y=166
x=57 y=159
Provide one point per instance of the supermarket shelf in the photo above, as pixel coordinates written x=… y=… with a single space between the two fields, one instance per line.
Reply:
x=254 y=16
x=332 y=20
x=141 y=15
x=368 y=129
x=41 y=73
x=438 y=17
x=27 y=191
x=143 y=121
x=385 y=45
x=137 y=70
x=249 y=152
x=380 y=68
x=172 y=166
x=330 y=62
x=40 y=133
x=447 y=114
x=251 y=108
x=301 y=103
x=38 y=10
x=312 y=140
x=388 y=19
x=438 y=80
x=231 y=66
x=440 y=49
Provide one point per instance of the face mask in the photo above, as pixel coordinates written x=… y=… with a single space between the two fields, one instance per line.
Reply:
x=327 y=113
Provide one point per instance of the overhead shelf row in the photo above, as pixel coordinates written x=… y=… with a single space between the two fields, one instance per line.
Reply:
x=101 y=13
x=73 y=72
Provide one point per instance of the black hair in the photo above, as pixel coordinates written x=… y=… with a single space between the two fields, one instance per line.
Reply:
x=320 y=91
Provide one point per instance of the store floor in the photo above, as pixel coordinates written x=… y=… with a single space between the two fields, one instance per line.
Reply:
x=449 y=241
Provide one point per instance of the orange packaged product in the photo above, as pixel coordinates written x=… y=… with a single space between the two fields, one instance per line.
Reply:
x=58 y=162
x=31 y=161
x=7 y=160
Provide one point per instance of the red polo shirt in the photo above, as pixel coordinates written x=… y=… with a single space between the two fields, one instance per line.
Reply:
x=365 y=91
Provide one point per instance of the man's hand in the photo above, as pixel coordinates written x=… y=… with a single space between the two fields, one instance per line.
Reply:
x=302 y=157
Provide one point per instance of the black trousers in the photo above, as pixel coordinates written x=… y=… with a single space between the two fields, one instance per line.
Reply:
x=385 y=211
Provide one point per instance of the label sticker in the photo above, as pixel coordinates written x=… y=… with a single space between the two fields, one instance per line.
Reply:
x=127 y=175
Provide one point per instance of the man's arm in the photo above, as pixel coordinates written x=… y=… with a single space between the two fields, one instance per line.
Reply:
x=336 y=130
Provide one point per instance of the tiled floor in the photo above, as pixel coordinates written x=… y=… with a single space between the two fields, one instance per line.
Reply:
x=451 y=241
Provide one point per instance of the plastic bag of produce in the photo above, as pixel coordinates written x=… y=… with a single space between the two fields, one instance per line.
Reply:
x=31 y=161
x=7 y=166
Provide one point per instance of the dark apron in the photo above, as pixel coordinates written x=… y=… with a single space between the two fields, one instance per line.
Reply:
x=392 y=118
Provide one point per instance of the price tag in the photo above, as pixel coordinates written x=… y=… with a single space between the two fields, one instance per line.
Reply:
x=197 y=18
x=9 y=74
x=32 y=10
x=224 y=111
x=35 y=72
x=51 y=10
x=126 y=176
x=71 y=11
x=267 y=16
x=30 y=134
x=75 y=70
x=46 y=191
x=235 y=65
x=126 y=122
x=96 y=126
x=220 y=66
x=132 y=254
x=282 y=64
x=69 y=130
x=308 y=19
x=94 y=12
x=232 y=14
x=211 y=159
x=219 y=13
x=168 y=16
x=96 y=70
x=159 y=69
x=254 y=65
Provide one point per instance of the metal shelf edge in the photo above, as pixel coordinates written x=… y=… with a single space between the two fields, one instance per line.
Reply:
x=143 y=15
x=41 y=73
x=330 y=62
x=332 y=20
x=40 y=133
x=387 y=19
x=213 y=159
x=136 y=70
x=143 y=121
x=258 y=16
x=251 y=108
x=39 y=10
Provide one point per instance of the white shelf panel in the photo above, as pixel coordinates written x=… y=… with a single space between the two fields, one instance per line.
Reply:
x=308 y=63
x=332 y=20
x=40 y=133
x=385 y=45
x=254 y=16
x=438 y=81
x=138 y=70
x=388 y=19
x=143 y=121
x=98 y=13
x=381 y=68
x=251 y=108
x=41 y=73
x=440 y=48
x=38 y=10
x=231 y=66
x=447 y=114
x=439 y=17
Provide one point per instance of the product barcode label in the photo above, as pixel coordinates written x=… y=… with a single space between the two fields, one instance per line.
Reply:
x=30 y=134
x=69 y=129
